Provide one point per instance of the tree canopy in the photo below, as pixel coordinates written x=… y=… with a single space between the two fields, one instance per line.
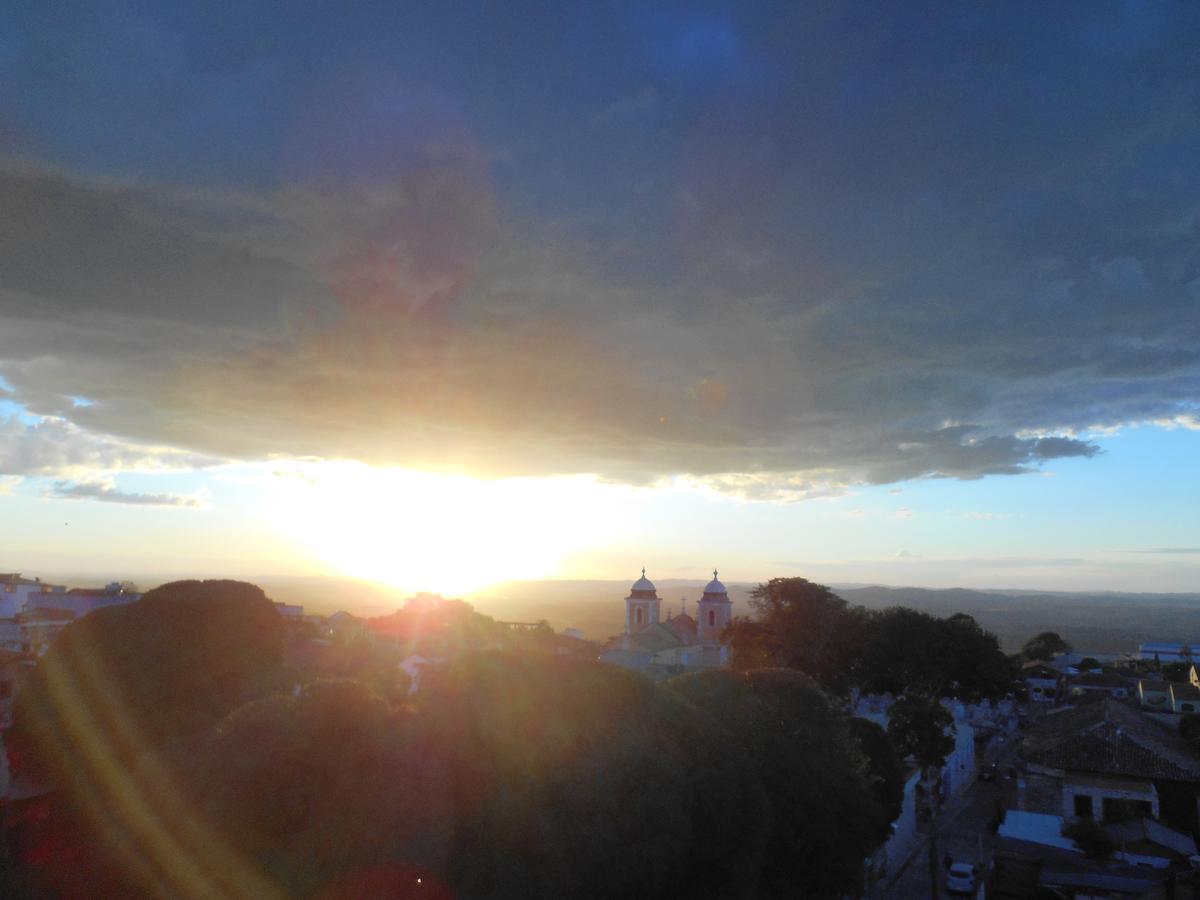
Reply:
x=813 y=772
x=806 y=626
x=1044 y=646
x=191 y=768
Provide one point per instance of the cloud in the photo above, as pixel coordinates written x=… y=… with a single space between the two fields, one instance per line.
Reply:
x=840 y=263
x=55 y=446
x=1168 y=550
x=106 y=491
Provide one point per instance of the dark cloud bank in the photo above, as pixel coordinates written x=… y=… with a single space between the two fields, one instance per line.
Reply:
x=901 y=255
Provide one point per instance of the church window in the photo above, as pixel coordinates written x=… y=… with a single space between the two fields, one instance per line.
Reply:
x=637 y=615
x=712 y=618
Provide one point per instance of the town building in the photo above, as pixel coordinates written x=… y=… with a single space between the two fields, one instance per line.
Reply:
x=1105 y=760
x=1043 y=682
x=1109 y=684
x=680 y=643
x=16 y=592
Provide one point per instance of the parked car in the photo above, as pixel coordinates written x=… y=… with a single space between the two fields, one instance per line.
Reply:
x=960 y=879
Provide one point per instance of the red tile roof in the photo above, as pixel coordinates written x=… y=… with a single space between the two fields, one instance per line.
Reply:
x=1110 y=738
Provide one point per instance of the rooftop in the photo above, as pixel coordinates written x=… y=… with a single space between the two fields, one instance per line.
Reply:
x=1109 y=738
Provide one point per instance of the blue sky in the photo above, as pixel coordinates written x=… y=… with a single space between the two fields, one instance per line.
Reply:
x=869 y=292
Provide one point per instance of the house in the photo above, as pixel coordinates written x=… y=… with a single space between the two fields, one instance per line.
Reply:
x=1042 y=681
x=681 y=643
x=1145 y=842
x=1168 y=696
x=17 y=592
x=1185 y=697
x=1106 y=760
x=292 y=612
x=1031 y=858
x=82 y=601
x=1108 y=683
x=1154 y=695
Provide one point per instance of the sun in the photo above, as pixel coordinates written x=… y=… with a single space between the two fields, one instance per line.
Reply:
x=444 y=533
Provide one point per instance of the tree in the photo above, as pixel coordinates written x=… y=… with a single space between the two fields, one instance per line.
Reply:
x=122 y=696
x=885 y=770
x=319 y=790
x=577 y=778
x=799 y=625
x=813 y=773
x=1088 y=663
x=1044 y=646
x=908 y=651
x=923 y=729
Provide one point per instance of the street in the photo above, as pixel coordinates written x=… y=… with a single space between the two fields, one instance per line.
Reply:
x=964 y=833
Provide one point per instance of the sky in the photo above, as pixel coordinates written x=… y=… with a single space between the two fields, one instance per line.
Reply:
x=445 y=294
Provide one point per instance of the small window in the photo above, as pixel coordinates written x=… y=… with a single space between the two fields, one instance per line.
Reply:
x=1083 y=806
x=712 y=618
x=637 y=615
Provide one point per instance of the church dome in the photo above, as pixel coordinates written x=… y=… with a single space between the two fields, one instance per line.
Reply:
x=714 y=590
x=643 y=587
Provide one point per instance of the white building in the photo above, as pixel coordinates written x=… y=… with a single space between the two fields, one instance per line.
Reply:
x=17 y=593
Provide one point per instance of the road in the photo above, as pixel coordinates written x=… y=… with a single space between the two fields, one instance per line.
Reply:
x=964 y=832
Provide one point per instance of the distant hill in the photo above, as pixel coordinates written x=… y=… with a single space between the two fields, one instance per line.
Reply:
x=1097 y=621
x=1101 y=622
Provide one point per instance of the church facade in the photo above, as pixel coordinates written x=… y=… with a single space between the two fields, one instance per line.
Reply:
x=679 y=643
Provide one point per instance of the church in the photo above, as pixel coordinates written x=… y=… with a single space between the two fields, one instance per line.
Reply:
x=664 y=647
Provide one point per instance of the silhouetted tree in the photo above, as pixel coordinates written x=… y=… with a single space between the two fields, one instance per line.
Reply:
x=582 y=779
x=799 y=625
x=119 y=699
x=317 y=790
x=913 y=652
x=812 y=770
x=885 y=770
x=1044 y=646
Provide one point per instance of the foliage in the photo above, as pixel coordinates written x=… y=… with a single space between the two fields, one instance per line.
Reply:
x=812 y=771
x=914 y=652
x=1088 y=663
x=1175 y=671
x=118 y=700
x=885 y=770
x=321 y=788
x=805 y=626
x=160 y=669
x=582 y=779
x=802 y=625
x=1044 y=646
x=921 y=727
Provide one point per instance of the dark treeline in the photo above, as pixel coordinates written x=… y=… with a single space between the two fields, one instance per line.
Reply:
x=801 y=625
x=187 y=763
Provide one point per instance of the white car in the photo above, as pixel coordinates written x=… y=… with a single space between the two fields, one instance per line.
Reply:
x=960 y=879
